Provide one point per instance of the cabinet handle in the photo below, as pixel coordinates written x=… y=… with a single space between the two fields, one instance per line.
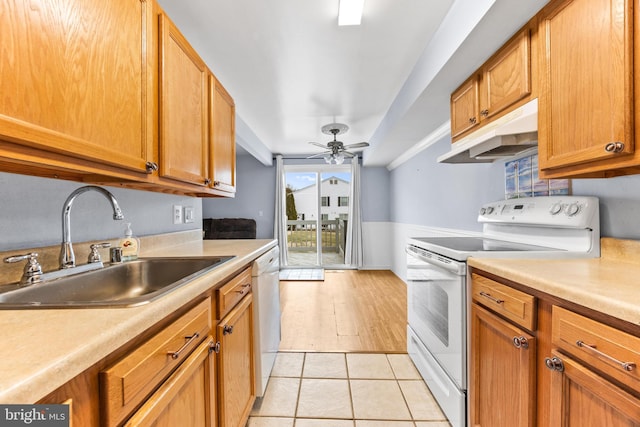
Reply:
x=226 y=329
x=473 y=120
x=627 y=366
x=554 y=363
x=175 y=354
x=216 y=183
x=151 y=167
x=614 y=147
x=207 y=181
x=521 y=342
x=494 y=299
x=484 y=113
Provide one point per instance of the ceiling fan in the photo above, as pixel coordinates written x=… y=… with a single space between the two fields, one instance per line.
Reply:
x=336 y=150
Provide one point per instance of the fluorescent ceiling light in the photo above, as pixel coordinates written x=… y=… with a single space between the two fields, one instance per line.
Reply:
x=350 y=12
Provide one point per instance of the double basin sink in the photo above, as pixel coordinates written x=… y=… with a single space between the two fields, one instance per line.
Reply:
x=118 y=285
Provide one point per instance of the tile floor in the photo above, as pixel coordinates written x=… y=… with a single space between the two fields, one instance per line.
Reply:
x=346 y=390
x=302 y=274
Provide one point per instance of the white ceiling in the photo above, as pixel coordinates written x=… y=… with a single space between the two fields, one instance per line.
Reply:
x=291 y=69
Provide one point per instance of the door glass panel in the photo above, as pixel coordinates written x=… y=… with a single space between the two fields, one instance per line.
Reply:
x=317 y=216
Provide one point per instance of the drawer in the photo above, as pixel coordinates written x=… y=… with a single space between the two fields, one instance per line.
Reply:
x=513 y=304
x=232 y=292
x=607 y=349
x=127 y=383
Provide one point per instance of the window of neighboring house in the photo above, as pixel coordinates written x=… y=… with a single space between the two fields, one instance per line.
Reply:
x=344 y=216
x=325 y=217
x=325 y=201
x=343 y=201
x=333 y=181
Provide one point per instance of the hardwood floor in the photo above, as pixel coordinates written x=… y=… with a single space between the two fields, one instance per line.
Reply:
x=350 y=311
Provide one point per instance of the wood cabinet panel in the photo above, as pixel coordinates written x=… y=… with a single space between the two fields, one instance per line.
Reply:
x=603 y=347
x=587 y=87
x=502 y=376
x=506 y=77
x=76 y=79
x=517 y=306
x=465 y=111
x=183 y=122
x=579 y=397
x=128 y=382
x=236 y=365
x=222 y=158
x=187 y=398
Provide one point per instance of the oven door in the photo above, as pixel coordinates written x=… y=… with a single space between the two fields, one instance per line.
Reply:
x=436 y=311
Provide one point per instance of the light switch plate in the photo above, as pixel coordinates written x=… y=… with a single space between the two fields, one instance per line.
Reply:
x=188 y=215
x=177 y=214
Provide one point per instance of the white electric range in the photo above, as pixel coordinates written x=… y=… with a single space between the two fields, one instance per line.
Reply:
x=542 y=227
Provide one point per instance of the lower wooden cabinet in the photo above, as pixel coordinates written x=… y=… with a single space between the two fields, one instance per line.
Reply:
x=580 y=397
x=187 y=398
x=502 y=372
x=236 y=392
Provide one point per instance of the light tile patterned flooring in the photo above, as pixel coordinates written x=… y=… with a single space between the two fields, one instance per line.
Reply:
x=346 y=390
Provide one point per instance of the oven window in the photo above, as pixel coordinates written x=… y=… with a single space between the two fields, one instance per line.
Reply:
x=431 y=304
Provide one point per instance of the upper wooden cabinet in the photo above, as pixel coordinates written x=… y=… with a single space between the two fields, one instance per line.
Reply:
x=183 y=108
x=586 y=104
x=76 y=82
x=222 y=152
x=503 y=81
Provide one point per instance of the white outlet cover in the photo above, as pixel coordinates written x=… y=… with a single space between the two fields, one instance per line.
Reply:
x=188 y=215
x=177 y=214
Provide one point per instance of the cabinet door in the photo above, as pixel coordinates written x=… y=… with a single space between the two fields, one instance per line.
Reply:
x=502 y=374
x=222 y=159
x=586 y=99
x=579 y=397
x=187 y=398
x=76 y=80
x=183 y=106
x=465 y=107
x=235 y=363
x=506 y=78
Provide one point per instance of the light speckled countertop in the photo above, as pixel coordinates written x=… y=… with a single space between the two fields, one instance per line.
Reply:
x=43 y=349
x=610 y=284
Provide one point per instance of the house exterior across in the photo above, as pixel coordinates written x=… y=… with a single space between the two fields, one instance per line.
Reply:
x=334 y=200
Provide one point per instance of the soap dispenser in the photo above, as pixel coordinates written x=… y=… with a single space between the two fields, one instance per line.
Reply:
x=130 y=245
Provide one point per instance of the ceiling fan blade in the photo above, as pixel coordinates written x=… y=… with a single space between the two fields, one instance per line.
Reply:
x=357 y=145
x=319 y=155
x=349 y=154
x=317 y=144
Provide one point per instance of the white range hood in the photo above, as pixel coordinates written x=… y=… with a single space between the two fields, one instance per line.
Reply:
x=510 y=135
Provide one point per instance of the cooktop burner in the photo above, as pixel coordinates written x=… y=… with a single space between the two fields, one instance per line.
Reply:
x=480 y=244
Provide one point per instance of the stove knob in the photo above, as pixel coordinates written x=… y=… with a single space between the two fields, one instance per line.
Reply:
x=573 y=209
x=482 y=211
x=489 y=210
x=555 y=209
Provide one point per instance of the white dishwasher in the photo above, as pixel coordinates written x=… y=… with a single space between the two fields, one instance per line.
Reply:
x=266 y=315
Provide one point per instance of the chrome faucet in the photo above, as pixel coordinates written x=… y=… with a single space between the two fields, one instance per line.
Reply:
x=67 y=257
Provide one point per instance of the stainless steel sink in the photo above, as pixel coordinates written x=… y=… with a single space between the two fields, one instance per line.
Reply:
x=121 y=285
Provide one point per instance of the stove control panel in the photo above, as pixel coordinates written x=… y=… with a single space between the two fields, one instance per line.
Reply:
x=564 y=211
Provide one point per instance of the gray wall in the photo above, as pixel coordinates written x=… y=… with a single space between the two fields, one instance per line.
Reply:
x=31 y=212
x=255 y=193
x=424 y=192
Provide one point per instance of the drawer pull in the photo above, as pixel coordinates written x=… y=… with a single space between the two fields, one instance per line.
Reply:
x=494 y=299
x=175 y=354
x=627 y=366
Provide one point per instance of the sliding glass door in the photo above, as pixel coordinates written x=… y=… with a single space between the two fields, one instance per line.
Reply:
x=317 y=212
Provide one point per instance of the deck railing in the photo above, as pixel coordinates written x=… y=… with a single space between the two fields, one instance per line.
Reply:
x=301 y=235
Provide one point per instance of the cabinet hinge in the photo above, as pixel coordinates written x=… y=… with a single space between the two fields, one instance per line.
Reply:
x=214 y=347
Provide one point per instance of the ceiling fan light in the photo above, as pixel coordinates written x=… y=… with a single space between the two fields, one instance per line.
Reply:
x=339 y=158
x=327 y=159
x=350 y=12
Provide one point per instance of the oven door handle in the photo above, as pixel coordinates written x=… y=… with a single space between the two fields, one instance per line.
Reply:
x=458 y=268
